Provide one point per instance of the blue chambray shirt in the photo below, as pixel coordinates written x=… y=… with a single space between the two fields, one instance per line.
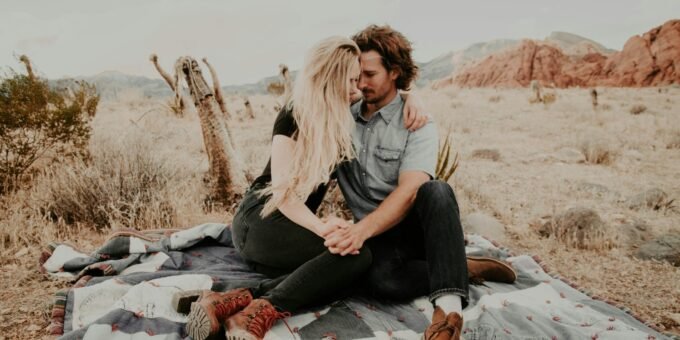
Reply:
x=384 y=148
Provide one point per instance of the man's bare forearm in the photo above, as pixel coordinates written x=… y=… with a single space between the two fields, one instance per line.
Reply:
x=395 y=206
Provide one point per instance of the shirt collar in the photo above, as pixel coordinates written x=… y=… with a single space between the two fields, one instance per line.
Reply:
x=387 y=112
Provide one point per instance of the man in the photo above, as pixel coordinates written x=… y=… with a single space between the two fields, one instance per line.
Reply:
x=409 y=221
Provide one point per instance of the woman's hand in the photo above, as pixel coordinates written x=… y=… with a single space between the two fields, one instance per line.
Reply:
x=331 y=224
x=414 y=116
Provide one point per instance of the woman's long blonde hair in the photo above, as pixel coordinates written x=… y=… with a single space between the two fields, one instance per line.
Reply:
x=321 y=111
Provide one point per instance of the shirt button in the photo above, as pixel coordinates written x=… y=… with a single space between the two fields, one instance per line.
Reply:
x=364 y=174
x=364 y=150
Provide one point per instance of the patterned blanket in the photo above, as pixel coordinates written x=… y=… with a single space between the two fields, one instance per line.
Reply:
x=124 y=291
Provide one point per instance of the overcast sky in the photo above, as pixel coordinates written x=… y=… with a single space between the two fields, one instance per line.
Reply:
x=246 y=40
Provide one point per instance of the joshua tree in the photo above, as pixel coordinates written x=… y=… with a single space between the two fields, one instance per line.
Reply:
x=226 y=171
x=24 y=59
x=593 y=96
x=249 y=108
x=536 y=89
x=216 y=87
x=179 y=102
x=287 y=82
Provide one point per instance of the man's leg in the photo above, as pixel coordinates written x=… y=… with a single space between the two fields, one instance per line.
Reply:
x=425 y=253
x=436 y=210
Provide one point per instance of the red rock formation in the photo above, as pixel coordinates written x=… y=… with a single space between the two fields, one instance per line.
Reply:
x=652 y=59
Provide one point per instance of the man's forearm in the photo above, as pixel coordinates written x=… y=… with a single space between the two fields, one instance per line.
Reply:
x=391 y=211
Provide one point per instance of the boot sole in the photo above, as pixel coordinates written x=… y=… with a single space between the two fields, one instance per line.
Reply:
x=508 y=269
x=240 y=334
x=198 y=323
x=182 y=301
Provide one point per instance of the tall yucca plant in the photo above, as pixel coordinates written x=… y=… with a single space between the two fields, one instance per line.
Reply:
x=446 y=165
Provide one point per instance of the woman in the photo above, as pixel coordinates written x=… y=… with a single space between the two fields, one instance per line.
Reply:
x=275 y=228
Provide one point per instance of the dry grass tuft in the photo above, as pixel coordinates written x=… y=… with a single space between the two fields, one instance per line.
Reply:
x=125 y=185
x=490 y=154
x=495 y=99
x=638 y=109
x=597 y=152
x=674 y=140
x=579 y=228
x=604 y=107
x=549 y=98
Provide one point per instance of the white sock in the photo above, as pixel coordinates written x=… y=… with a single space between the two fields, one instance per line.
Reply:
x=449 y=303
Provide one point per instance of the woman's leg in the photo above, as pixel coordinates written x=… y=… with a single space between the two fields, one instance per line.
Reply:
x=275 y=244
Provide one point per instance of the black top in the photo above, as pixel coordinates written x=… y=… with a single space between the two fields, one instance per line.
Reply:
x=285 y=125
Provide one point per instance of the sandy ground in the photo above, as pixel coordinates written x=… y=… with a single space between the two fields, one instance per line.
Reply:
x=538 y=174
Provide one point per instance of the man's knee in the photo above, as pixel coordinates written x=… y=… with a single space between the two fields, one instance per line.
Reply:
x=382 y=283
x=436 y=191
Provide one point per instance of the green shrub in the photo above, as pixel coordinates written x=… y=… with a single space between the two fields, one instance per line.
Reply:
x=38 y=122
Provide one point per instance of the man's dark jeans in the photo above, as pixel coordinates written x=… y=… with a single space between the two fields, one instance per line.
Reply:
x=425 y=253
x=302 y=270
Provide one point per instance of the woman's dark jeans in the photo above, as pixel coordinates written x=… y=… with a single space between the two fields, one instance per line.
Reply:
x=425 y=253
x=302 y=270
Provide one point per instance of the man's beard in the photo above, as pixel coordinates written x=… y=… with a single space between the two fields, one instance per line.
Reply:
x=372 y=100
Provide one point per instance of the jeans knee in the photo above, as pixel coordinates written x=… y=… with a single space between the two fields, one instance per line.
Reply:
x=382 y=284
x=436 y=191
x=359 y=263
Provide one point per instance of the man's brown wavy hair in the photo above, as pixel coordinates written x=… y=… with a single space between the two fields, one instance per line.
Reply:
x=394 y=49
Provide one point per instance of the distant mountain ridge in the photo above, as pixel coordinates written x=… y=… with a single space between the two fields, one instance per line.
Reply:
x=649 y=59
x=111 y=84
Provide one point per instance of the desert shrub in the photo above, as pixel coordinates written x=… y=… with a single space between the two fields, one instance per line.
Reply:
x=549 y=98
x=38 y=122
x=579 y=228
x=597 y=152
x=605 y=107
x=674 y=140
x=490 y=154
x=638 y=109
x=495 y=99
x=124 y=184
x=275 y=88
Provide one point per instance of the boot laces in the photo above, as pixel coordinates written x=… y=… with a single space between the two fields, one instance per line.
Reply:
x=442 y=326
x=228 y=306
x=263 y=319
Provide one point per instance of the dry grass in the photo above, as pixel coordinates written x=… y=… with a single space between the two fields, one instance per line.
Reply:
x=674 y=140
x=495 y=99
x=638 y=109
x=597 y=151
x=518 y=191
x=580 y=228
x=125 y=184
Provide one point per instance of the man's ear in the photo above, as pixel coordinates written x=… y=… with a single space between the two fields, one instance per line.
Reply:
x=394 y=74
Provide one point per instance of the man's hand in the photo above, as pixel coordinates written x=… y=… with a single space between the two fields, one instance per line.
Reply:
x=346 y=241
x=414 y=118
x=331 y=224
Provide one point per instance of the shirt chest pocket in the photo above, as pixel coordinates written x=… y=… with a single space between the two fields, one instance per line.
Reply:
x=387 y=162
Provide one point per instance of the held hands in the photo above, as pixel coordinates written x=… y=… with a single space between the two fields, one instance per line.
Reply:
x=346 y=240
x=331 y=224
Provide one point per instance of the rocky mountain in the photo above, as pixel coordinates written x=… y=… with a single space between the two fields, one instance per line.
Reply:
x=438 y=72
x=652 y=59
x=448 y=63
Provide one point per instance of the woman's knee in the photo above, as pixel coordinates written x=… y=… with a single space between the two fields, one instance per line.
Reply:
x=360 y=262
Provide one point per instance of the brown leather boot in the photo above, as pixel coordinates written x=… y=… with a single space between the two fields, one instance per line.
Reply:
x=482 y=269
x=444 y=327
x=254 y=321
x=212 y=309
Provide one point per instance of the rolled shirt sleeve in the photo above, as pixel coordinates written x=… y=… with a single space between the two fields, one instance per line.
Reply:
x=420 y=153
